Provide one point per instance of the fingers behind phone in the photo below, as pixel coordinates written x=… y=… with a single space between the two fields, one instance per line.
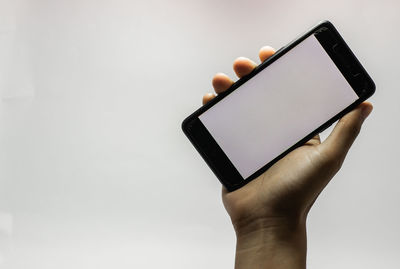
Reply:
x=221 y=82
x=208 y=97
x=265 y=52
x=242 y=67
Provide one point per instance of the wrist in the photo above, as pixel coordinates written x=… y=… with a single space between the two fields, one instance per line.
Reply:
x=272 y=243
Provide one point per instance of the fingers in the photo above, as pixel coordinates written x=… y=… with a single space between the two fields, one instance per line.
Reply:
x=208 y=97
x=265 y=52
x=221 y=82
x=345 y=132
x=243 y=66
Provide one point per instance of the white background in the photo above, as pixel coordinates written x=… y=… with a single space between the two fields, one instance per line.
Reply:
x=94 y=169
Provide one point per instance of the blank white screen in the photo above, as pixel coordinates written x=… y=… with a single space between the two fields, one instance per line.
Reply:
x=278 y=107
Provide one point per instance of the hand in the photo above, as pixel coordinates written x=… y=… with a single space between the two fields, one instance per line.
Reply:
x=270 y=212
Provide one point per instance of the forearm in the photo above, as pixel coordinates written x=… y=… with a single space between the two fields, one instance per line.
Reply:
x=277 y=246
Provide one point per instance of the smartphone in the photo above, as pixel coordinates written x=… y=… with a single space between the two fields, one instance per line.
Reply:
x=295 y=94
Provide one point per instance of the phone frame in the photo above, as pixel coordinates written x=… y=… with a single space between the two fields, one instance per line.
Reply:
x=345 y=61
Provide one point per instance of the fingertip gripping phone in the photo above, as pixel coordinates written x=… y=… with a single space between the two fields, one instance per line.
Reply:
x=295 y=94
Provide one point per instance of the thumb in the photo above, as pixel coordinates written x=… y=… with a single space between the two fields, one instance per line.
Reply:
x=345 y=132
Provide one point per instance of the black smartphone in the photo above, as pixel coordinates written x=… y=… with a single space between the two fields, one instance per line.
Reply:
x=297 y=93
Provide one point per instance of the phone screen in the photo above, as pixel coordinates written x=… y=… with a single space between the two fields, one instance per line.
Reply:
x=278 y=107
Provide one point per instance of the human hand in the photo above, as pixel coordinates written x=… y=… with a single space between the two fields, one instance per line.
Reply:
x=271 y=210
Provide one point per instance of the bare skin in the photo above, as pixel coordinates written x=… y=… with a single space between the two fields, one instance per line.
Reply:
x=269 y=214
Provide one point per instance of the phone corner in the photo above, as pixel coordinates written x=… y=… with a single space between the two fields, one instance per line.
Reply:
x=184 y=125
x=373 y=88
x=326 y=23
x=187 y=124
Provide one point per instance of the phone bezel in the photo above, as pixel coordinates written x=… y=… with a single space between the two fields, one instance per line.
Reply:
x=343 y=58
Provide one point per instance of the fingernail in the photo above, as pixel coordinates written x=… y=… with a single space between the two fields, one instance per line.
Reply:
x=366 y=110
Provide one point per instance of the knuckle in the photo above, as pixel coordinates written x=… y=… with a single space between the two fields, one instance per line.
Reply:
x=332 y=160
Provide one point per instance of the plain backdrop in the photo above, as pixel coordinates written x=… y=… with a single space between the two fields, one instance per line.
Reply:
x=94 y=169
